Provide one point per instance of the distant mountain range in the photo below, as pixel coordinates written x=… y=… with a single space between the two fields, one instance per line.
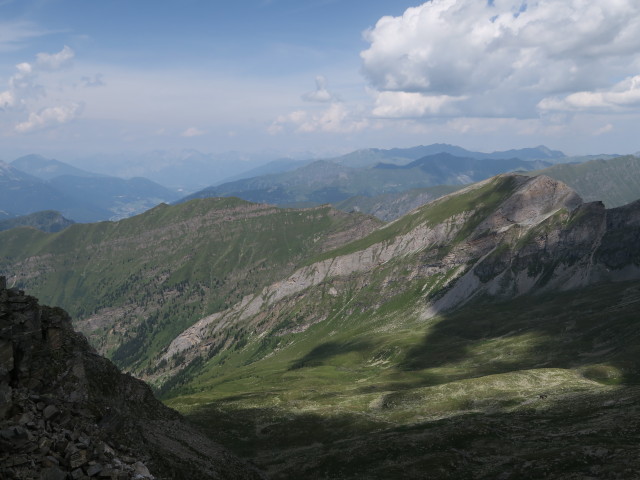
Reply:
x=48 y=168
x=386 y=183
x=34 y=183
x=22 y=194
x=185 y=170
x=331 y=181
x=370 y=157
x=275 y=166
x=613 y=179
x=402 y=156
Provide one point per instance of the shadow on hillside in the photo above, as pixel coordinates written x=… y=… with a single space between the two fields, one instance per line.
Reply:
x=590 y=433
x=580 y=436
x=595 y=330
x=325 y=351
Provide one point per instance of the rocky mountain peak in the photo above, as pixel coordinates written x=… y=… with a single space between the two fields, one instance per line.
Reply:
x=66 y=412
x=532 y=201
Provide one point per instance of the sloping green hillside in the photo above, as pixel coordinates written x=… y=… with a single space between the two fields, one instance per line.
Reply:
x=133 y=285
x=351 y=372
x=384 y=394
x=390 y=206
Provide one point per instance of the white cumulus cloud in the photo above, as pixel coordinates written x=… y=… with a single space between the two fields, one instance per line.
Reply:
x=96 y=81
x=501 y=57
x=192 y=132
x=321 y=94
x=605 y=129
x=48 y=117
x=337 y=118
x=22 y=85
x=24 y=94
x=412 y=104
x=7 y=100
x=621 y=96
x=55 y=61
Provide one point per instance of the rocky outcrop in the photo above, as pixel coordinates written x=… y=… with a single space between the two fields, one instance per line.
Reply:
x=67 y=413
x=555 y=249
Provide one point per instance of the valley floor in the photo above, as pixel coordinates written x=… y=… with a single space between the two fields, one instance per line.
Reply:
x=537 y=387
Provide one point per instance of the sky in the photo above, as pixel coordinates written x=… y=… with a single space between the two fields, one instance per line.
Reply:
x=316 y=77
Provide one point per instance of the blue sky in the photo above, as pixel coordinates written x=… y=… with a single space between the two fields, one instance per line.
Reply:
x=79 y=77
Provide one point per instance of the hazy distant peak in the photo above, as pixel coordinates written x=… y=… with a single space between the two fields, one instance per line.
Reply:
x=48 y=168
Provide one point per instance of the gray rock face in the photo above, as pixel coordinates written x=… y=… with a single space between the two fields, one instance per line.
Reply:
x=66 y=412
x=565 y=245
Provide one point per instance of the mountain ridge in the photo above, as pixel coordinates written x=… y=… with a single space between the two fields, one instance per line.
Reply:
x=323 y=181
x=400 y=156
x=503 y=249
x=408 y=238
x=140 y=279
x=47 y=169
x=48 y=221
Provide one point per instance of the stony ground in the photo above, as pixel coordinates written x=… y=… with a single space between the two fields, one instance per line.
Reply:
x=67 y=413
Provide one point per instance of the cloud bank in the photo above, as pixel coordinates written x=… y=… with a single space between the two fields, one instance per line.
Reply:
x=504 y=58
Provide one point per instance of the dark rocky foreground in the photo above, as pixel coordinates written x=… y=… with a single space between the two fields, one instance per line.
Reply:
x=68 y=413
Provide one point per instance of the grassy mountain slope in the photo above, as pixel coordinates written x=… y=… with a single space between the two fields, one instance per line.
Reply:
x=615 y=181
x=405 y=352
x=133 y=285
x=389 y=206
x=47 y=221
x=538 y=387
